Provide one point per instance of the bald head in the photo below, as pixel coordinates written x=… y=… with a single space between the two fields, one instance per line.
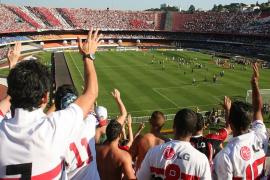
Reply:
x=157 y=120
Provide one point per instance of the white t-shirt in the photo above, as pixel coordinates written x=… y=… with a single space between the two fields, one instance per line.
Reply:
x=32 y=145
x=175 y=160
x=81 y=155
x=244 y=156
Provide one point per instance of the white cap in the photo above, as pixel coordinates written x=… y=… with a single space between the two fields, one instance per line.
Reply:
x=3 y=81
x=101 y=113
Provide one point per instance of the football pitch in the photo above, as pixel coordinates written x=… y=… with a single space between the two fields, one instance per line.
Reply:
x=146 y=87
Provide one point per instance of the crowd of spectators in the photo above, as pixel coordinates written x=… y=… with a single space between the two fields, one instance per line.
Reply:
x=214 y=22
x=10 y=22
x=8 y=39
x=28 y=18
x=3 y=52
x=75 y=139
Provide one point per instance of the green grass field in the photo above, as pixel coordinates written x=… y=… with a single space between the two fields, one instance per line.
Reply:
x=44 y=58
x=145 y=87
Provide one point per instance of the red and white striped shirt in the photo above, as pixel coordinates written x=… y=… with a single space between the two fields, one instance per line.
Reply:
x=244 y=155
x=174 y=160
x=33 y=144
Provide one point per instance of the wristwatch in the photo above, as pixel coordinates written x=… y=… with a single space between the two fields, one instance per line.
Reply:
x=90 y=56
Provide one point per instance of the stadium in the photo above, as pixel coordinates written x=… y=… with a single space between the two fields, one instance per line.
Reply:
x=160 y=60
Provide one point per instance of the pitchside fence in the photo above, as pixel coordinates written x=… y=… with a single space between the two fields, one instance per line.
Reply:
x=265 y=93
x=168 y=117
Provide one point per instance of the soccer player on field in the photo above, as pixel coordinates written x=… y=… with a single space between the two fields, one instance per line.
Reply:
x=142 y=144
x=33 y=144
x=176 y=159
x=244 y=155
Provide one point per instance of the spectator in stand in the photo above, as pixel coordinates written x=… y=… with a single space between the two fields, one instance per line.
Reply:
x=114 y=163
x=176 y=159
x=211 y=144
x=102 y=118
x=142 y=144
x=32 y=141
x=64 y=96
x=126 y=142
x=244 y=155
x=101 y=113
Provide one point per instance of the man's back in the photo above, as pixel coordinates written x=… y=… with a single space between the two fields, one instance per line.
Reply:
x=175 y=159
x=110 y=161
x=81 y=154
x=244 y=155
x=145 y=143
x=33 y=144
x=210 y=144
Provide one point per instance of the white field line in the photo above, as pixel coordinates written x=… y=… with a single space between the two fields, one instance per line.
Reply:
x=151 y=110
x=77 y=68
x=165 y=97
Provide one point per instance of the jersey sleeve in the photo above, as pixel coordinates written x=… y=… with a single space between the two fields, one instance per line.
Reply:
x=261 y=133
x=66 y=122
x=258 y=126
x=222 y=167
x=144 y=172
x=206 y=173
x=220 y=135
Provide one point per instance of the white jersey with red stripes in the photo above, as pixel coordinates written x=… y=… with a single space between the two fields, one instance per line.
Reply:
x=244 y=155
x=81 y=154
x=32 y=144
x=174 y=160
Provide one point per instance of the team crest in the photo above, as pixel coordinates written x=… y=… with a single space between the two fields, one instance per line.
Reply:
x=245 y=153
x=168 y=153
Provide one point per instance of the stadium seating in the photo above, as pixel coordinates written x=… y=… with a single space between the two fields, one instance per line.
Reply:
x=41 y=18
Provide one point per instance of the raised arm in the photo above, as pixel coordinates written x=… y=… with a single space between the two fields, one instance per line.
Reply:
x=14 y=55
x=88 y=49
x=227 y=107
x=130 y=133
x=257 y=102
x=121 y=106
x=140 y=128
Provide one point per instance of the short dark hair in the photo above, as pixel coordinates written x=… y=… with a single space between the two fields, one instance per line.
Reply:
x=185 y=122
x=61 y=92
x=28 y=82
x=113 y=130
x=240 y=115
x=157 y=120
x=200 y=122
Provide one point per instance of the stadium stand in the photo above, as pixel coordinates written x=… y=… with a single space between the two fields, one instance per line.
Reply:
x=42 y=18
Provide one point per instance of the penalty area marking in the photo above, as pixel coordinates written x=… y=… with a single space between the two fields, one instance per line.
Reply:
x=165 y=97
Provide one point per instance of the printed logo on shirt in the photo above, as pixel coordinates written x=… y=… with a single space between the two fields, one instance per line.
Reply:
x=168 y=153
x=245 y=153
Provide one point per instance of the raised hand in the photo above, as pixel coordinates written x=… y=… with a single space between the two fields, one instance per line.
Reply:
x=142 y=125
x=129 y=120
x=91 y=44
x=116 y=94
x=14 y=54
x=227 y=103
x=256 y=75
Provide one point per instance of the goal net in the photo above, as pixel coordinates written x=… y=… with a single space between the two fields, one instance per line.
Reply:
x=265 y=93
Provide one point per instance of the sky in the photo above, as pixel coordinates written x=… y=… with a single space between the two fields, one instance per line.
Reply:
x=126 y=4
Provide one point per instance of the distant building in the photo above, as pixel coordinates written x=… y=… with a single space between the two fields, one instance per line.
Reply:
x=163 y=5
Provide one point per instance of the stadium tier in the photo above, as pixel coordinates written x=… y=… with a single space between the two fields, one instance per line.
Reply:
x=30 y=19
